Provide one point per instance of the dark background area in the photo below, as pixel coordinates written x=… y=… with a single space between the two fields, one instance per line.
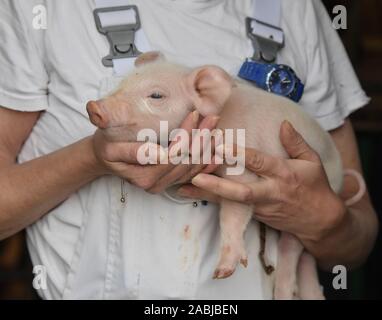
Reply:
x=363 y=40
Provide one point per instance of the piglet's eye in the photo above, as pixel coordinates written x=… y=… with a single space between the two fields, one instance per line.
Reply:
x=156 y=95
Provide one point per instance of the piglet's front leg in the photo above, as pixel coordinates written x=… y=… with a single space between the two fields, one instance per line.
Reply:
x=234 y=218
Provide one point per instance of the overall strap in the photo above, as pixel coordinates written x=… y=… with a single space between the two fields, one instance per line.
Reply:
x=268 y=12
x=264 y=29
x=120 y=23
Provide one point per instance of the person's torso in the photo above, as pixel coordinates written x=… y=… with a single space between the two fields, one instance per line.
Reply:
x=94 y=246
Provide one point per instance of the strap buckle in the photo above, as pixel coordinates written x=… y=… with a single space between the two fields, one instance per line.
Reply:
x=121 y=37
x=267 y=40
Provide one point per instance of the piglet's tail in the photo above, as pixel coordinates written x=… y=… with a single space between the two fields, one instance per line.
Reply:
x=362 y=187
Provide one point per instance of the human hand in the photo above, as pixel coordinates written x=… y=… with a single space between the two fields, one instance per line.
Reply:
x=292 y=195
x=120 y=158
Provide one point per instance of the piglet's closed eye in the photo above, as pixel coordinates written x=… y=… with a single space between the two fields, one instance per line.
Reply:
x=209 y=88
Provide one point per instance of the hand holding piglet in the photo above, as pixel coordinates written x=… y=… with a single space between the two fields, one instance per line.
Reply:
x=292 y=194
x=120 y=158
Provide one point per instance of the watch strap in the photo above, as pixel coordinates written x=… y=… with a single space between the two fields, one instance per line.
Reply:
x=299 y=91
x=255 y=72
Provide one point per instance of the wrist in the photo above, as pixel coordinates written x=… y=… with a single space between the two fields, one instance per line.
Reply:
x=326 y=244
x=331 y=214
x=336 y=218
x=92 y=163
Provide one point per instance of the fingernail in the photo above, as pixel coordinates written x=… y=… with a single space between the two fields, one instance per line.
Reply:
x=163 y=154
x=219 y=150
x=155 y=153
x=218 y=135
x=151 y=152
x=198 y=179
x=215 y=119
x=288 y=126
x=218 y=160
x=195 y=117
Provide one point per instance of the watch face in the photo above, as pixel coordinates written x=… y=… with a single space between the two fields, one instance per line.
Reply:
x=281 y=80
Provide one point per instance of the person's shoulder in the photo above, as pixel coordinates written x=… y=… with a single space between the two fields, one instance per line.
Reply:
x=302 y=17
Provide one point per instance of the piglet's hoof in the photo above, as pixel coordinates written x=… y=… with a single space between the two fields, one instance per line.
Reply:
x=286 y=292
x=228 y=262
x=244 y=262
x=223 y=273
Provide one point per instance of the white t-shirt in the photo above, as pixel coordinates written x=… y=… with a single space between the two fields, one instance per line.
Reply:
x=92 y=245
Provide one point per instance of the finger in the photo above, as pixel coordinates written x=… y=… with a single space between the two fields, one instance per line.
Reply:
x=295 y=145
x=192 y=172
x=134 y=152
x=176 y=172
x=181 y=138
x=168 y=179
x=263 y=164
x=202 y=140
x=191 y=192
x=143 y=177
x=196 y=169
x=209 y=122
x=154 y=172
x=211 y=168
x=232 y=190
x=256 y=161
x=191 y=122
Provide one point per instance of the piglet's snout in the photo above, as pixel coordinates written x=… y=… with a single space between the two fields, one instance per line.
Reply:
x=97 y=114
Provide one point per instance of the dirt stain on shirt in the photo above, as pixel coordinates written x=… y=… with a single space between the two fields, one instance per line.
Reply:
x=187 y=233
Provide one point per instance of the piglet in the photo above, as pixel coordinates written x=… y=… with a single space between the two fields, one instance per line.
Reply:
x=161 y=91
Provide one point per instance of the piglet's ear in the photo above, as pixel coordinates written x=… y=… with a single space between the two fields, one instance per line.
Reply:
x=148 y=57
x=209 y=88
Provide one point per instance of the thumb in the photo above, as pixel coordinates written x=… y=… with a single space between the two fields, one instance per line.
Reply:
x=295 y=145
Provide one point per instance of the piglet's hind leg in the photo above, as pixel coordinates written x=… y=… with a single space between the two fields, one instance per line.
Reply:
x=308 y=281
x=289 y=252
x=234 y=218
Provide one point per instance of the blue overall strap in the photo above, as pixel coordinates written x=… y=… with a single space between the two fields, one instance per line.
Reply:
x=120 y=22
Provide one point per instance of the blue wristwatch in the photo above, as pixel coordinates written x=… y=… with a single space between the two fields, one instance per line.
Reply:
x=275 y=78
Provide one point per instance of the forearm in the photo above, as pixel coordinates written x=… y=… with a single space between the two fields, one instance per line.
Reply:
x=350 y=242
x=30 y=190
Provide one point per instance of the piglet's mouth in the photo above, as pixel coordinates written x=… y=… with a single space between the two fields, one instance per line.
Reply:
x=124 y=125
